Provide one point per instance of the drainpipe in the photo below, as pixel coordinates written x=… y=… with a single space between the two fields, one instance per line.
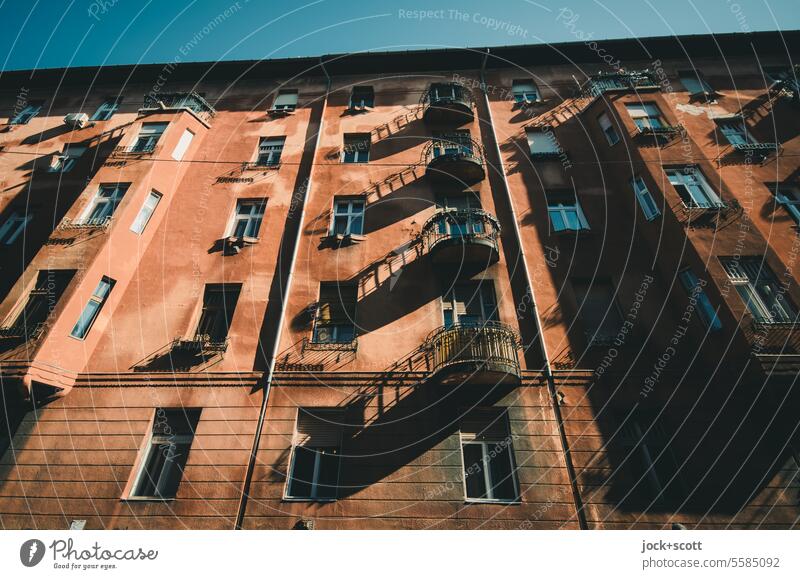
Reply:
x=551 y=385
x=274 y=351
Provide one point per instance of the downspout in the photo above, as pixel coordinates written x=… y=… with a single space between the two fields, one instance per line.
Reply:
x=273 y=353
x=551 y=386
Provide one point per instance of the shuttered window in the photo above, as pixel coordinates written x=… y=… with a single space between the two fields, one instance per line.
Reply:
x=314 y=471
x=487 y=451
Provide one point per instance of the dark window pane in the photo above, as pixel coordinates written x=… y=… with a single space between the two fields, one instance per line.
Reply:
x=473 y=471
x=302 y=472
x=501 y=472
x=152 y=471
x=328 y=473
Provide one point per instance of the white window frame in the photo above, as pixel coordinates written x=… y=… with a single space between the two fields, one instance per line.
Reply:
x=106 y=110
x=691 y=176
x=146 y=212
x=545 y=145
x=8 y=233
x=149 y=136
x=315 y=476
x=646 y=115
x=272 y=148
x=361 y=154
x=255 y=214
x=609 y=130
x=525 y=91
x=708 y=314
x=151 y=440
x=765 y=275
x=183 y=145
x=484 y=290
x=645 y=199
x=98 y=199
x=286 y=100
x=695 y=83
x=486 y=445
x=99 y=298
x=349 y=214
x=564 y=206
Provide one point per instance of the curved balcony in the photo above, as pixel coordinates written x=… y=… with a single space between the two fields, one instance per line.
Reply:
x=474 y=354
x=460 y=160
x=447 y=102
x=462 y=236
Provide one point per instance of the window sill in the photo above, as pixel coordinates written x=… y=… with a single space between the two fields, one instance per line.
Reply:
x=232 y=245
x=148 y=499
x=306 y=500
x=492 y=502
x=340 y=240
x=280 y=112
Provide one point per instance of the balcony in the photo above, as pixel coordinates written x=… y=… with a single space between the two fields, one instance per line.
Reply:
x=620 y=82
x=460 y=160
x=136 y=150
x=176 y=102
x=449 y=102
x=22 y=332
x=470 y=354
x=200 y=345
x=94 y=223
x=455 y=236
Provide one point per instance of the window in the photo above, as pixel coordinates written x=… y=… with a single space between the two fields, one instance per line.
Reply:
x=106 y=110
x=649 y=459
x=362 y=97
x=608 y=129
x=147 y=138
x=645 y=199
x=692 y=187
x=29 y=317
x=786 y=195
x=469 y=304
x=164 y=460
x=694 y=83
x=183 y=145
x=542 y=143
x=269 y=151
x=356 y=148
x=645 y=116
x=735 y=131
x=93 y=307
x=565 y=212
x=316 y=448
x=597 y=310
x=335 y=320
x=459 y=222
x=285 y=101
x=488 y=455
x=14 y=226
x=146 y=212
x=348 y=216
x=24 y=116
x=694 y=287
x=524 y=91
x=760 y=291
x=64 y=162
x=445 y=91
x=248 y=217
x=219 y=303
x=105 y=202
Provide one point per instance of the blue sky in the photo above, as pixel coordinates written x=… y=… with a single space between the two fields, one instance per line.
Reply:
x=56 y=33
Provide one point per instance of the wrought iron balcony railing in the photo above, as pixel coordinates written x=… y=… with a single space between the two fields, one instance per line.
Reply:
x=201 y=344
x=23 y=331
x=447 y=102
x=79 y=224
x=619 y=81
x=775 y=338
x=135 y=150
x=462 y=235
x=179 y=101
x=485 y=353
x=461 y=159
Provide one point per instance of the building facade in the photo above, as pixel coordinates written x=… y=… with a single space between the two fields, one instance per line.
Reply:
x=453 y=289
